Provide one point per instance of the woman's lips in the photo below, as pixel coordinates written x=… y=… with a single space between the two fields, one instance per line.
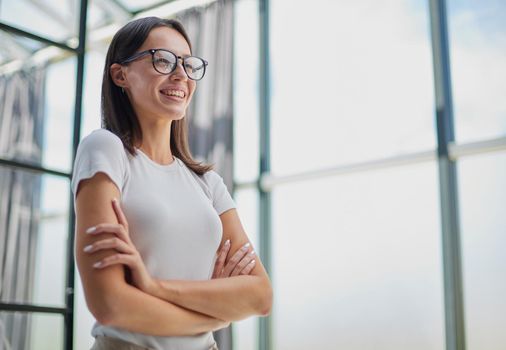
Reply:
x=172 y=98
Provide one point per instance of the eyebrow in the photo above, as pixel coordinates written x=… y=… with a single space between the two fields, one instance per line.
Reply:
x=183 y=55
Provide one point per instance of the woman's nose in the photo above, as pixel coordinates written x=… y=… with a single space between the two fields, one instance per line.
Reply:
x=179 y=72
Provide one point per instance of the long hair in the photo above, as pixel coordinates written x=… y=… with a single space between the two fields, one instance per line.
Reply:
x=118 y=115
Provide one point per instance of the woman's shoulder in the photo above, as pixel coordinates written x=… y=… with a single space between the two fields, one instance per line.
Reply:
x=213 y=180
x=102 y=137
x=211 y=175
x=102 y=140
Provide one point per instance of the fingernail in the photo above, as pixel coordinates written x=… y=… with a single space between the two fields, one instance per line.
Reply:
x=227 y=242
x=88 y=248
x=98 y=264
x=252 y=252
x=91 y=229
x=252 y=262
x=246 y=245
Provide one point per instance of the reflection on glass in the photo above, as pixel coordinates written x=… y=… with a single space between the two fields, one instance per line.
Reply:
x=483 y=225
x=357 y=262
x=477 y=32
x=245 y=332
x=31 y=331
x=22 y=100
x=347 y=75
x=55 y=20
x=14 y=47
x=37 y=111
x=34 y=230
x=246 y=137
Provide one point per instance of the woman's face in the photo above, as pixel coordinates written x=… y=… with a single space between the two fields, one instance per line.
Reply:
x=149 y=90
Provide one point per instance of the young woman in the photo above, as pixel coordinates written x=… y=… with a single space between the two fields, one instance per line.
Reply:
x=154 y=228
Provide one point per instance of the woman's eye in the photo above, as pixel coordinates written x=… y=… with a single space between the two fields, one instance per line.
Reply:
x=194 y=67
x=162 y=61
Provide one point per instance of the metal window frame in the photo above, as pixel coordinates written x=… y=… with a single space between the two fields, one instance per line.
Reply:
x=265 y=323
x=68 y=311
x=448 y=185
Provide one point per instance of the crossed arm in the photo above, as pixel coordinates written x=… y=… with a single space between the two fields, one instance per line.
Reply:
x=233 y=298
x=176 y=307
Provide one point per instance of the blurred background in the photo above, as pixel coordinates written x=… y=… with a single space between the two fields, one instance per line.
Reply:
x=364 y=143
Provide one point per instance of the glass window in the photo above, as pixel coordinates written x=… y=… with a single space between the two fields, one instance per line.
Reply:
x=136 y=5
x=357 y=260
x=347 y=75
x=483 y=225
x=477 y=32
x=34 y=218
x=59 y=123
x=245 y=332
x=15 y=47
x=83 y=319
x=56 y=20
x=37 y=102
x=246 y=72
x=95 y=60
x=31 y=331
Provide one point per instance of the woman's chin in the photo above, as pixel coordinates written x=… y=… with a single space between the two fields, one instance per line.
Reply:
x=175 y=115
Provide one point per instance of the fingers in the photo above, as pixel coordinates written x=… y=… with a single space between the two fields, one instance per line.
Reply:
x=117 y=229
x=114 y=243
x=119 y=213
x=220 y=262
x=124 y=259
x=243 y=263
x=235 y=259
x=248 y=268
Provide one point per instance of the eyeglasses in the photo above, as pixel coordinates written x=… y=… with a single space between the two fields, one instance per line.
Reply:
x=165 y=62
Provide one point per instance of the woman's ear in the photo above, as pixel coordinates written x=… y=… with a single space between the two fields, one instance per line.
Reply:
x=117 y=75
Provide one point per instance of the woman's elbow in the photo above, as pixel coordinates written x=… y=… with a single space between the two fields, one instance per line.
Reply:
x=104 y=307
x=103 y=313
x=265 y=302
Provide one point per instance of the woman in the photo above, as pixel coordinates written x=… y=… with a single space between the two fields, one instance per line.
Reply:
x=154 y=228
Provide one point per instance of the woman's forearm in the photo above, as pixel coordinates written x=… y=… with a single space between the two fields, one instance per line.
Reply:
x=230 y=299
x=133 y=310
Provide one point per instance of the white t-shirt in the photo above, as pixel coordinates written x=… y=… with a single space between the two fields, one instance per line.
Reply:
x=173 y=216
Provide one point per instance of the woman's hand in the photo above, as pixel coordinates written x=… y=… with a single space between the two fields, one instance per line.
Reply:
x=241 y=263
x=127 y=252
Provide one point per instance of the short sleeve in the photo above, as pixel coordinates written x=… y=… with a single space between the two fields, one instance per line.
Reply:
x=100 y=151
x=221 y=198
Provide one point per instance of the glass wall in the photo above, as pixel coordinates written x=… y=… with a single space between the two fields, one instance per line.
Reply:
x=37 y=99
x=347 y=75
x=478 y=51
x=352 y=82
x=357 y=259
x=356 y=255
x=483 y=197
x=477 y=36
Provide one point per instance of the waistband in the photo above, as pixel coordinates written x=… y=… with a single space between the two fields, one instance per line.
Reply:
x=109 y=343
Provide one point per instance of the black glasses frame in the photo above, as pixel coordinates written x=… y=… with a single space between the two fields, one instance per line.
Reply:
x=152 y=53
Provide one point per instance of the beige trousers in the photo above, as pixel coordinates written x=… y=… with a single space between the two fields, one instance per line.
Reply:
x=108 y=343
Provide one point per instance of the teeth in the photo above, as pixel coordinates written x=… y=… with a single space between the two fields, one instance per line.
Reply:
x=177 y=93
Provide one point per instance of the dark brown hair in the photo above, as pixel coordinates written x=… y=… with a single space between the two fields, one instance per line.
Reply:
x=118 y=116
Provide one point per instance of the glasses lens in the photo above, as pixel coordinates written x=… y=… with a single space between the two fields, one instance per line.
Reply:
x=164 y=61
x=194 y=67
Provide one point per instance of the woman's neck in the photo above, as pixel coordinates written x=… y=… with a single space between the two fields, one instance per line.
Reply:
x=155 y=142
